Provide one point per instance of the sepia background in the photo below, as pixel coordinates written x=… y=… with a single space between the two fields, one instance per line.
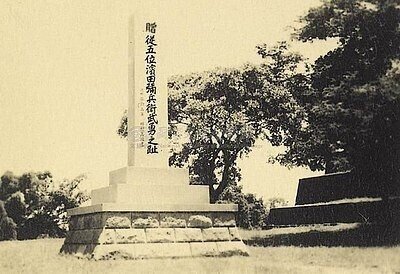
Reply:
x=63 y=86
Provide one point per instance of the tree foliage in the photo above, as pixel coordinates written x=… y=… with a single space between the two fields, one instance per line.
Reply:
x=352 y=102
x=213 y=108
x=38 y=205
x=8 y=229
x=368 y=35
x=217 y=115
x=252 y=212
x=276 y=202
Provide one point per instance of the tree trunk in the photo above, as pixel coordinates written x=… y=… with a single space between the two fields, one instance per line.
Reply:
x=212 y=194
x=329 y=167
x=210 y=179
x=224 y=180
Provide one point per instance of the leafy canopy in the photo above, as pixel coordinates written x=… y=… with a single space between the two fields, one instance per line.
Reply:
x=353 y=101
x=216 y=116
x=37 y=204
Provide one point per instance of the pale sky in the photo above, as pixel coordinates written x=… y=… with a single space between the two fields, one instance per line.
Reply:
x=63 y=86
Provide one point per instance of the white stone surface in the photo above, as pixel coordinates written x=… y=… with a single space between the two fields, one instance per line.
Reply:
x=149 y=176
x=207 y=249
x=188 y=234
x=216 y=234
x=151 y=194
x=130 y=236
x=137 y=114
x=116 y=207
x=160 y=235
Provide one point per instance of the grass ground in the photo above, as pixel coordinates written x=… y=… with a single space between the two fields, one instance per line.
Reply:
x=41 y=256
x=349 y=235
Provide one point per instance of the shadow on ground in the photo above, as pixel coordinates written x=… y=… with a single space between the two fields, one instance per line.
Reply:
x=360 y=235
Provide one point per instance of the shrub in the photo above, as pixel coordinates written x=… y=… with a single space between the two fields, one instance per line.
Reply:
x=276 y=202
x=8 y=229
x=3 y=212
x=42 y=224
x=36 y=205
x=251 y=211
x=16 y=207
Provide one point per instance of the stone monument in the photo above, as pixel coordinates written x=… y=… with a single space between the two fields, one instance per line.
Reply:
x=149 y=210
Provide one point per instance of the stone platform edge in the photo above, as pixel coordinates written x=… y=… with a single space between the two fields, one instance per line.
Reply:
x=116 y=207
x=156 y=250
x=372 y=212
x=111 y=231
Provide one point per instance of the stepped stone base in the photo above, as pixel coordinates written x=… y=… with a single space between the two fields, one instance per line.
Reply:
x=149 y=186
x=108 y=231
x=151 y=194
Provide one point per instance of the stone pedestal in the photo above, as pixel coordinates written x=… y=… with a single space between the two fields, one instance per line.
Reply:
x=152 y=213
x=149 y=210
x=110 y=231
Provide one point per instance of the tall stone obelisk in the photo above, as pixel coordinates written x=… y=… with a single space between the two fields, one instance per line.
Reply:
x=148 y=99
x=149 y=210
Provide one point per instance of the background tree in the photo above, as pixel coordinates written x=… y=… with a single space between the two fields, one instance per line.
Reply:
x=8 y=186
x=212 y=108
x=8 y=229
x=276 y=202
x=16 y=207
x=353 y=101
x=252 y=212
x=38 y=205
x=217 y=115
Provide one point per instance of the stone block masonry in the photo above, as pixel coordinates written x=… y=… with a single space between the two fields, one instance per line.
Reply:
x=153 y=234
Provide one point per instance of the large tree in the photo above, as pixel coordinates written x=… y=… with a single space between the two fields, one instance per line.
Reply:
x=353 y=103
x=37 y=204
x=222 y=112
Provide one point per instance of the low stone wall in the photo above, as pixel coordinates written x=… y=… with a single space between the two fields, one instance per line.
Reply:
x=135 y=235
x=377 y=212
